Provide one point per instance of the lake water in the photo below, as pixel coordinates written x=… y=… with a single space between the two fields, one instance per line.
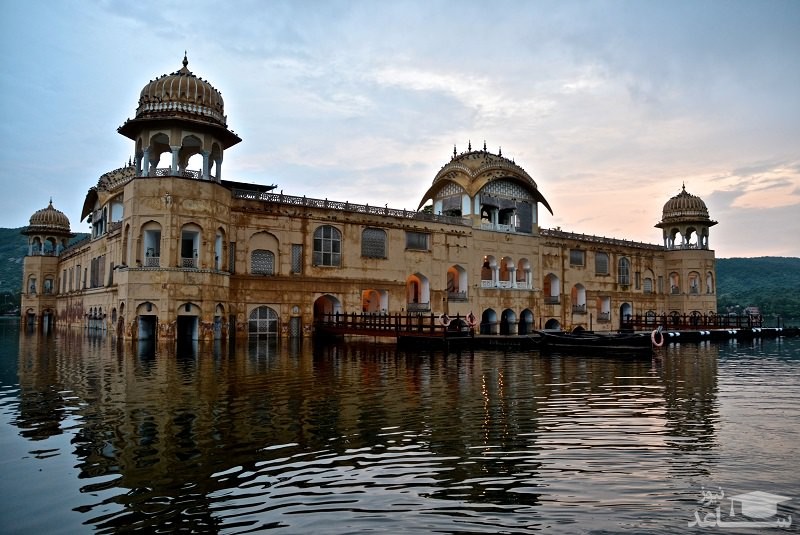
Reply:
x=290 y=438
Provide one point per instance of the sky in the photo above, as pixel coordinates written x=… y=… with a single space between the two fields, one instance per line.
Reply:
x=610 y=106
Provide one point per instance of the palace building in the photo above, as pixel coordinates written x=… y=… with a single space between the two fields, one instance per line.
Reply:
x=178 y=251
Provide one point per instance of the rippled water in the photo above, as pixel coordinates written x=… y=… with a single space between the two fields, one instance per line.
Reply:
x=99 y=437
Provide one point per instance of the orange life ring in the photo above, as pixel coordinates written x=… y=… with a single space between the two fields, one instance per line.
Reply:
x=657 y=338
x=472 y=321
x=444 y=319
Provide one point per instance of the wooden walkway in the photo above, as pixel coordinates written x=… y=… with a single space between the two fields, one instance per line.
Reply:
x=691 y=322
x=394 y=325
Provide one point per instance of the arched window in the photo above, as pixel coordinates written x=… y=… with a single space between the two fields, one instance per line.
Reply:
x=551 y=289
x=262 y=262
x=624 y=271
x=524 y=274
x=578 y=295
x=190 y=246
x=373 y=243
x=151 y=244
x=219 y=249
x=327 y=246
x=263 y=320
x=694 y=282
x=674 y=283
x=456 y=283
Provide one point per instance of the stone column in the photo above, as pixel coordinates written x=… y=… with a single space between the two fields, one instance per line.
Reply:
x=145 y=170
x=206 y=162
x=219 y=168
x=175 y=149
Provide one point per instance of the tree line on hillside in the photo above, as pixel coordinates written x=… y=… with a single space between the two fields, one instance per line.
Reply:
x=771 y=283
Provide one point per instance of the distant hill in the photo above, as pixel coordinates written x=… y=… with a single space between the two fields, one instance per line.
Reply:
x=772 y=283
x=13 y=248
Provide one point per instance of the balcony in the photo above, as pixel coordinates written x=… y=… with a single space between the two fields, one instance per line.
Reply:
x=552 y=299
x=152 y=261
x=603 y=317
x=418 y=307
x=505 y=285
x=579 y=309
x=457 y=296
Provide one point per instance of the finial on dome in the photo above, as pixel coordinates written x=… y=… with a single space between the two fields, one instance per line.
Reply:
x=454 y=151
x=185 y=61
x=500 y=152
x=51 y=202
x=484 y=145
x=469 y=146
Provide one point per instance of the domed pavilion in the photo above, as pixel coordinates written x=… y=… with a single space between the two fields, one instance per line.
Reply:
x=685 y=216
x=48 y=231
x=481 y=185
x=182 y=115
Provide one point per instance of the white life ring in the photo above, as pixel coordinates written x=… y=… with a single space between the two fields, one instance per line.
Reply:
x=657 y=338
x=472 y=321
x=444 y=319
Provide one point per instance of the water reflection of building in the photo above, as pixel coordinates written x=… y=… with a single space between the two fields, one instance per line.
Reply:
x=176 y=251
x=691 y=397
x=42 y=408
x=473 y=426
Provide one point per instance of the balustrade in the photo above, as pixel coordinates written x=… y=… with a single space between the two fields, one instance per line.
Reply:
x=188 y=262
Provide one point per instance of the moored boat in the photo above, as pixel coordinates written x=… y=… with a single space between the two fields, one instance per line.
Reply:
x=596 y=342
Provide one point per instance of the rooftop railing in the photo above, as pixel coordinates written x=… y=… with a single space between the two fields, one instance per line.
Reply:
x=555 y=233
x=346 y=206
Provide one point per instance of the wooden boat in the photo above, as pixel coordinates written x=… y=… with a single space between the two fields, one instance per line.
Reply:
x=620 y=342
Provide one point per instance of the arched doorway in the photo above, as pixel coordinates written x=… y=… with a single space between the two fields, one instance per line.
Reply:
x=508 y=322
x=48 y=320
x=147 y=321
x=219 y=314
x=326 y=307
x=188 y=322
x=488 y=322
x=525 y=322
x=625 y=314
x=552 y=325
x=418 y=293
x=374 y=301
